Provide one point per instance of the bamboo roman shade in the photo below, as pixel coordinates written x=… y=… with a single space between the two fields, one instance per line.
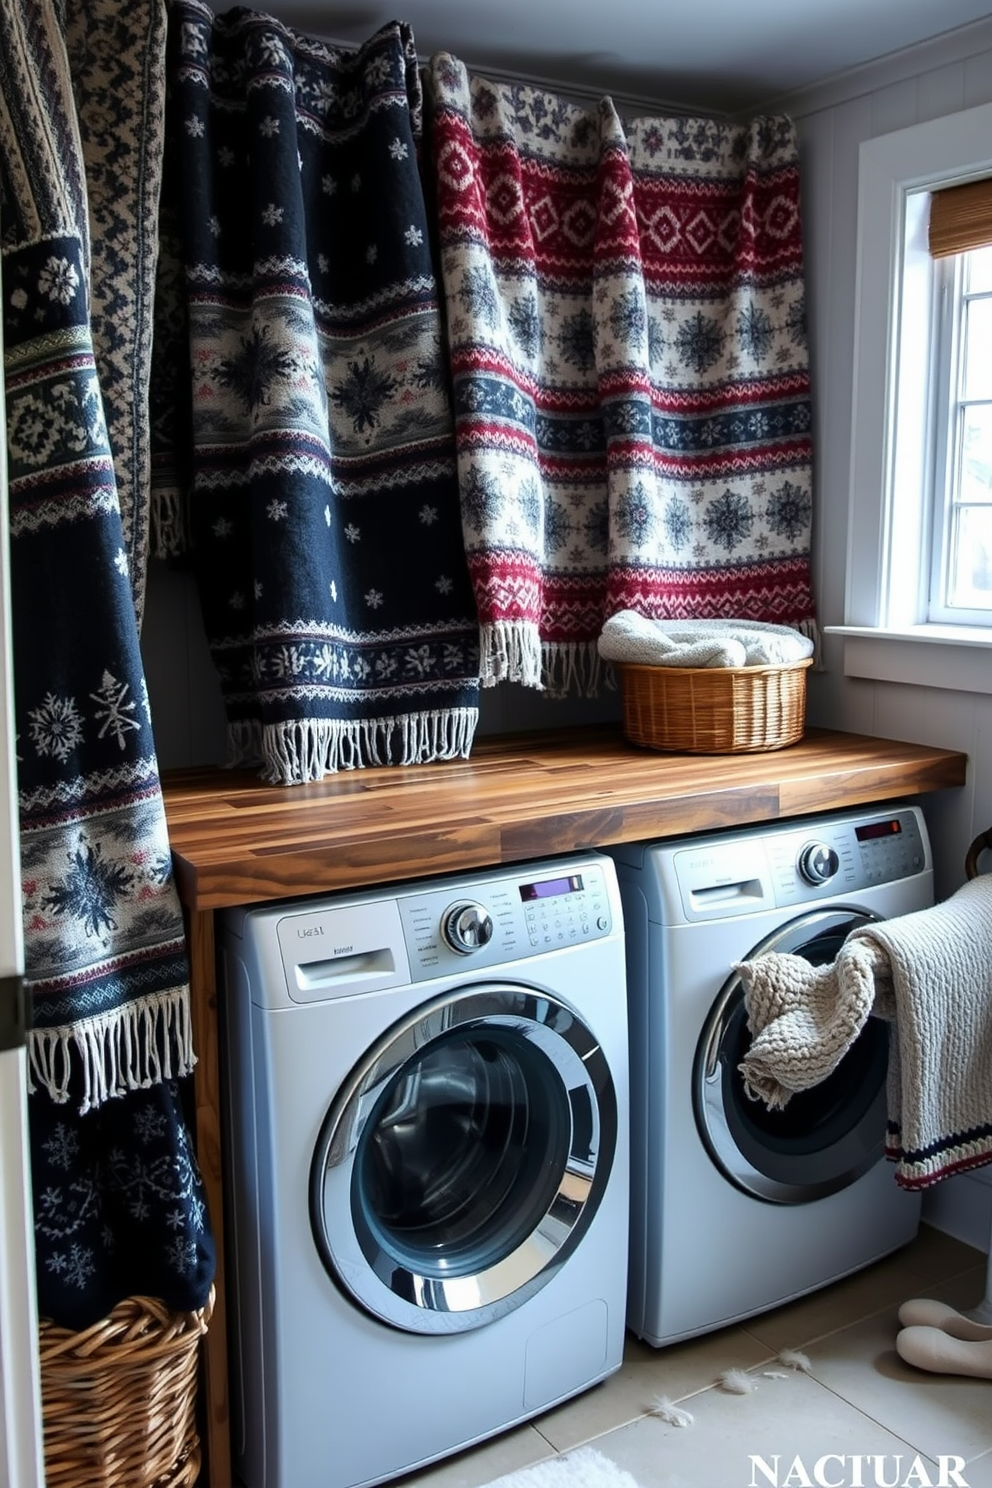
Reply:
x=961 y=218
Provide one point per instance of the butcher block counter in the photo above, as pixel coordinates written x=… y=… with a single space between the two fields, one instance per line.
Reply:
x=236 y=840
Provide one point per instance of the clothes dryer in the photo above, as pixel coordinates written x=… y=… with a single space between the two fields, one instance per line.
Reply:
x=735 y=1208
x=427 y=1143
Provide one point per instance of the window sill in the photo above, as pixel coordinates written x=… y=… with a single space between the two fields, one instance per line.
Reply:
x=957 y=657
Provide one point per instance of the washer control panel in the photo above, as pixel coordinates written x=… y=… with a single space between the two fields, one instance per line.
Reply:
x=503 y=919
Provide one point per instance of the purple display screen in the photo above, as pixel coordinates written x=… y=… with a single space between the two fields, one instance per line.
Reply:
x=550 y=887
x=890 y=828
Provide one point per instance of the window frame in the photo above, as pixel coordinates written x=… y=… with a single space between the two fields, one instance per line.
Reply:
x=892 y=392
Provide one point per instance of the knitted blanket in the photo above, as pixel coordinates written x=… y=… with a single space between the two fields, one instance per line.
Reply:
x=629 y=637
x=627 y=336
x=928 y=973
x=324 y=506
x=118 y=1204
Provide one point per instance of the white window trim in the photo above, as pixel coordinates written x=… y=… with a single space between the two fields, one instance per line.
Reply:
x=882 y=638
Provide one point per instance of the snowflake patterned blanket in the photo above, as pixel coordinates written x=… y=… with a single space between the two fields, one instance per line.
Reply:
x=627 y=335
x=324 y=513
x=118 y=1201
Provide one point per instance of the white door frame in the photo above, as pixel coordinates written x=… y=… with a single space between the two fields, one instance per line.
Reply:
x=21 y=1457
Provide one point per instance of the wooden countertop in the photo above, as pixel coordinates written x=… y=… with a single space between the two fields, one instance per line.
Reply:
x=236 y=840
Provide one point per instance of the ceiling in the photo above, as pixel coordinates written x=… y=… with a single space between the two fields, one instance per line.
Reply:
x=723 y=56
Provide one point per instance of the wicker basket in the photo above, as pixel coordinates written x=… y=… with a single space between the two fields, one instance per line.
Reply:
x=118 y=1399
x=714 y=710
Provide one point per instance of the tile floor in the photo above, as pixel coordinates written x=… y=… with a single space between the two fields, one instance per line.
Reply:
x=857 y=1398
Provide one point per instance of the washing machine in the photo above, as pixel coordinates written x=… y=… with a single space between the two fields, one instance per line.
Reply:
x=428 y=1164
x=735 y=1208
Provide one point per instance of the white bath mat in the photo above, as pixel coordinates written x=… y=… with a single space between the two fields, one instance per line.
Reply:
x=583 y=1468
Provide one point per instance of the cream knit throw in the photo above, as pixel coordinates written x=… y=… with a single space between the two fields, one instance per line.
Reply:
x=929 y=973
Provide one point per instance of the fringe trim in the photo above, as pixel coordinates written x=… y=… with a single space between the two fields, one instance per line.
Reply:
x=511 y=652
x=301 y=751
x=132 y=1048
x=576 y=669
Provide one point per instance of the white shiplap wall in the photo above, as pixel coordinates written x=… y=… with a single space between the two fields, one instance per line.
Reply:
x=921 y=83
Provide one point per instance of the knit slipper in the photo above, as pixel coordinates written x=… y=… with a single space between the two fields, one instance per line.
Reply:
x=929 y=1313
x=937 y=1351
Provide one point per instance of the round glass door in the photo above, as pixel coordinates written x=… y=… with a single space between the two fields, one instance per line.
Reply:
x=464 y=1159
x=824 y=1138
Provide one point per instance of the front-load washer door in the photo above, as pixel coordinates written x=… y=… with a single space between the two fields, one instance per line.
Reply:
x=824 y=1138
x=464 y=1159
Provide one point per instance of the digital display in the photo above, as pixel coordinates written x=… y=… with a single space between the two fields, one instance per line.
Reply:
x=549 y=887
x=890 y=828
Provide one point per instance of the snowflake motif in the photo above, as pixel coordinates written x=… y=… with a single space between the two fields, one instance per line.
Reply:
x=363 y=393
x=255 y=369
x=588 y=435
x=576 y=341
x=223 y=527
x=214 y=225
x=635 y=517
x=385 y=666
x=729 y=520
x=453 y=657
x=795 y=321
x=529 y=505
x=226 y=156
x=288 y=662
x=700 y=342
x=398 y=149
x=678 y=523
x=91 y=890
x=428 y=515
x=656 y=342
x=115 y=709
x=194 y=127
x=596 y=527
x=371 y=253
x=755 y=332
x=277 y=510
x=76 y=1268
x=272 y=215
x=328 y=185
x=324 y=661
x=443 y=585
x=419 y=661
x=789 y=511
x=56 y=727
x=557 y=527
x=413 y=237
x=482 y=501
x=353 y=533
x=477 y=294
x=182 y=1256
x=149 y=1124
x=268 y=127
x=272 y=52
x=628 y=318
x=373 y=599
x=525 y=323
x=58 y=281
x=710 y=432
x=62 y=1147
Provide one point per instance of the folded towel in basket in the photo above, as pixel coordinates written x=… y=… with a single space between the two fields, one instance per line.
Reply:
x=633 y=638
x=928 y=973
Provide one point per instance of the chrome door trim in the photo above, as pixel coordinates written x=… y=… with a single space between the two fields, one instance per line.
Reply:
x=855 y=1157
x=430 y=1300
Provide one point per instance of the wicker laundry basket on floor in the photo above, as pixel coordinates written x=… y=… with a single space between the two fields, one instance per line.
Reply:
x=714 y=710
x=118 y=1399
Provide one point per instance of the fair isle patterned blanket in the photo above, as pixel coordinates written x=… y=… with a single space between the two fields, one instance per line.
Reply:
x=627 y=336
x=324 y=514
x=118 y=1204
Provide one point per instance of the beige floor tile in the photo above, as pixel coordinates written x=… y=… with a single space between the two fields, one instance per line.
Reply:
x=936 y=1414
x=978 y=1472
x=788 y=1417
x=492 y=1459
x=936 y=1255
x=647 y=1373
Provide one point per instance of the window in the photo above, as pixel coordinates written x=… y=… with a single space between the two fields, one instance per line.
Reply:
x=922 y=405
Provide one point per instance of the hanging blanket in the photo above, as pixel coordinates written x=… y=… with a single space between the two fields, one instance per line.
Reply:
x=117 y=1199
x=931 y=974
x=324 y=514
x=630 y=370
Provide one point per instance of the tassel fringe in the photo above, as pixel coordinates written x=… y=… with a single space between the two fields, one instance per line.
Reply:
x=298 y=752
x=132 y=1048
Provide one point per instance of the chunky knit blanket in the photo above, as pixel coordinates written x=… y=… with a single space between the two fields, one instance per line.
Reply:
x=324 y=506
x=930 y=974
x=118 y=1204
x=627 y=335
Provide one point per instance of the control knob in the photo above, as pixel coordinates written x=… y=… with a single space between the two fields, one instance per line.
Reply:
x=467 y=928
x=817 y=862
